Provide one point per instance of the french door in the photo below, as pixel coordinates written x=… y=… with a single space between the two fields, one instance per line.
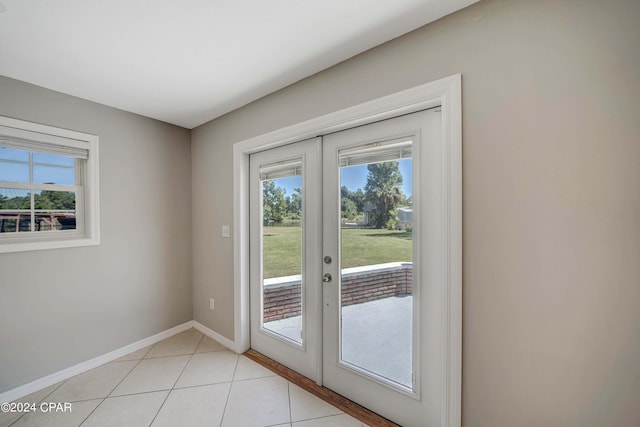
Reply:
x=346 y=265
x=284 y=244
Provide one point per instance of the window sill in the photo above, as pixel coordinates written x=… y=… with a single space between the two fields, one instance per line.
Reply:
x=35 y=245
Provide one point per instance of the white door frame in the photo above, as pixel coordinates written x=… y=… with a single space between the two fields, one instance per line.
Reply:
x=447 y=93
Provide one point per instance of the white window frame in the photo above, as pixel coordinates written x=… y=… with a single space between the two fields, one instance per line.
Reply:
x=88 y=208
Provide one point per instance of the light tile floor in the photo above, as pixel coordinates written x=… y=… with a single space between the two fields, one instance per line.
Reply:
x=186 y=380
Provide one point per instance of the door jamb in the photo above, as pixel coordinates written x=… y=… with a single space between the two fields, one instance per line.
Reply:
x=446 y=92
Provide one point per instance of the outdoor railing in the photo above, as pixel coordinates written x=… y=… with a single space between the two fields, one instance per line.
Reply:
x=19 y=220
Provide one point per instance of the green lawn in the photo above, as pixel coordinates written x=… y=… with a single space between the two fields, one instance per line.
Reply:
x=360 y=246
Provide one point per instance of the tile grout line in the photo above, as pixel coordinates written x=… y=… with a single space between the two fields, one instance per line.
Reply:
x=315 y=418
x=94 y=410
x=224 y=410
x=326 y=416
x=39 y=401
x=256 y=378
x=198 y=385
x=113 y=389
x=289 y=396
x=281 y=424
x=124 y=395
x=347 y=406
x=177 y=355
x=147 y=352
x=123 y=378
x=176 y=381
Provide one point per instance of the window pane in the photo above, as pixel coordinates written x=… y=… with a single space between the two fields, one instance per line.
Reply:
x=53 y=159
x=15 y=213
x=54 y=221
x=13 y=198
x=282 y=241
x=377 y=263
x=14 y=172
x=55 y=210
x=56 y=200
x=53 y=175
x=13 y=154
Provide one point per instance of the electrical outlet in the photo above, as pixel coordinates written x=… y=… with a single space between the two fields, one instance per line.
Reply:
x=211 y=303
x=225 y=231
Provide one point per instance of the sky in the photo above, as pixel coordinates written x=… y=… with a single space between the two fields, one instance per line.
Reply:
x=354 y=177
x=15 y=168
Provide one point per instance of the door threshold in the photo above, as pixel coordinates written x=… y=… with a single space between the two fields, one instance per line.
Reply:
x=345 y=405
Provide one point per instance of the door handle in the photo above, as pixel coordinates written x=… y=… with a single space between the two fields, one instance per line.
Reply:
x=326 y=278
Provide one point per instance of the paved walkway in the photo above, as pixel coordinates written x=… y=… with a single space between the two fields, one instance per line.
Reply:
x=376 y=336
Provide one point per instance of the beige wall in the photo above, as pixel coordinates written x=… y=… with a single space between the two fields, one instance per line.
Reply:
x=551 y=192
x=65 y=306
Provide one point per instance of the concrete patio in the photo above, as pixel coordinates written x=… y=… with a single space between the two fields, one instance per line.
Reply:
x=376 y=336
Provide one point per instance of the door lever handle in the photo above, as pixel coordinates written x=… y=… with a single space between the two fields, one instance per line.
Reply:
x=326 y=278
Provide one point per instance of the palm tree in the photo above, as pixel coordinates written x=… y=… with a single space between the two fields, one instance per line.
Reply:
x=383 y=190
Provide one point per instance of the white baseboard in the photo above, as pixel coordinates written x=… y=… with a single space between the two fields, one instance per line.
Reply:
x=26 y=389
x=231 y=345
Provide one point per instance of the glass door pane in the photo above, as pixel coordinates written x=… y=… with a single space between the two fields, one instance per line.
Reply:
x=376 y=248
x=282 y=243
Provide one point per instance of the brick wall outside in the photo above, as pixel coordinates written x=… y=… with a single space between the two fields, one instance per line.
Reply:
x=282 y=301
x=361 y=284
